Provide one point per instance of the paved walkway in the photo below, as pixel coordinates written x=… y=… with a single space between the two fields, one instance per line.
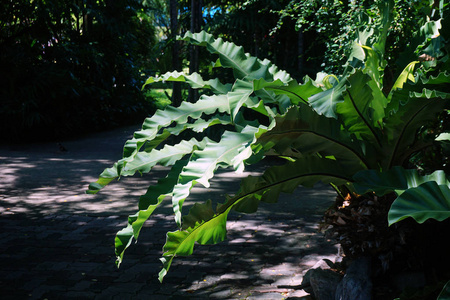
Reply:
x=57 y=242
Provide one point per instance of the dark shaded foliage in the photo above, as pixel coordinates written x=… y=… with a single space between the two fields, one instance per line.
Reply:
x=335 y=24
x=68 y=67
x=251 y=24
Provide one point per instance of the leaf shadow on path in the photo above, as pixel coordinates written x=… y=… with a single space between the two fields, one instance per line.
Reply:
x=58 y=241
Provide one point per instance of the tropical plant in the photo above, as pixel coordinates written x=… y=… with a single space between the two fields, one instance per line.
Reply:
x=340 y=130
x=194 y=161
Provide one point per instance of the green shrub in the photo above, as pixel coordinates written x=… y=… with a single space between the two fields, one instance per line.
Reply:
x=340 y=130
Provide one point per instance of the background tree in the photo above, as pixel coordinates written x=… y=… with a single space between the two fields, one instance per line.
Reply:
x=176 y=64
x=335 y=23
x=251 y=24
x=196 y=24
x=72 y=66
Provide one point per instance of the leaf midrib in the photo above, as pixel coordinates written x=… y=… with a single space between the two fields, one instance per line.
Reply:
x=366 y=164
x=229 y=205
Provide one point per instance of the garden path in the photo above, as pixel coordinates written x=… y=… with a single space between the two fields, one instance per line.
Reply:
x=57 y=241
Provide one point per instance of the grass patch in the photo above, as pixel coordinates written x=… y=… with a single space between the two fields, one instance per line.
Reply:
x=161 y=97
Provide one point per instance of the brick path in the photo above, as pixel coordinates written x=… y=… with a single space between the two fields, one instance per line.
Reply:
x=57 y=242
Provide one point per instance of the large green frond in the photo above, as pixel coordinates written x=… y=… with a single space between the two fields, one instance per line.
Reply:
x=147 y=204
x=244 y=66
x=205 y=226
x=151 y=131
x=175 y=115
x=324 y=103
x=304 y=131
x=143 y=161
x=239 y=95
x=427 y=201
x=352 y=102
x=196 y=161
x=372 y=68
x=419 y=197
x=401 y=128
x=356 y=111
x=395 y=180
x=194 y=80
x=264 y=91
x=299 y=93
x=306 y=171
x=441 y=78
x=208 y=228
x=232 y=150
x=405 y=75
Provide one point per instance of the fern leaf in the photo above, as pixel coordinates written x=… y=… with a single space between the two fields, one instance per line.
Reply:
x=152 y=126
x=396 y=180
x=297 y=93
x=163 y=118
x=147 y=204
x=264 y=90
x=374 y=71
x=306 y=132
x=401 y=128
x=144 y=161
x=419 y=197
x=355 y=111
x=208 y=229
x=204 y=226
x=427 y=201
x=245 y=67
x=239 y=94
x=232 y=150
x=194 y=80
x=324 y=103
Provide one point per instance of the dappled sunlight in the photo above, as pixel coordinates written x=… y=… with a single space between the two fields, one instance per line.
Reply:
x=263 y=250
x=271 y=255
x=47 y=183
x=39 y=179
x=10 y=168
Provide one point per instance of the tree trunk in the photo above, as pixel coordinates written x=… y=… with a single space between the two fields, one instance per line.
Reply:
x=176 y=94
x=77 y=14
x=196 y=17
x=87 y=18
x=300 y=52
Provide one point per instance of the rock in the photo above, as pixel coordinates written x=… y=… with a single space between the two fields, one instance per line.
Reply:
x=320 y=281
x=324 y=283
x=323 y=264
x=306 y=282
x=357 y=283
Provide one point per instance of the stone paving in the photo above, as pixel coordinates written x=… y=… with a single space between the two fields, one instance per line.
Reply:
x=58 y=243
